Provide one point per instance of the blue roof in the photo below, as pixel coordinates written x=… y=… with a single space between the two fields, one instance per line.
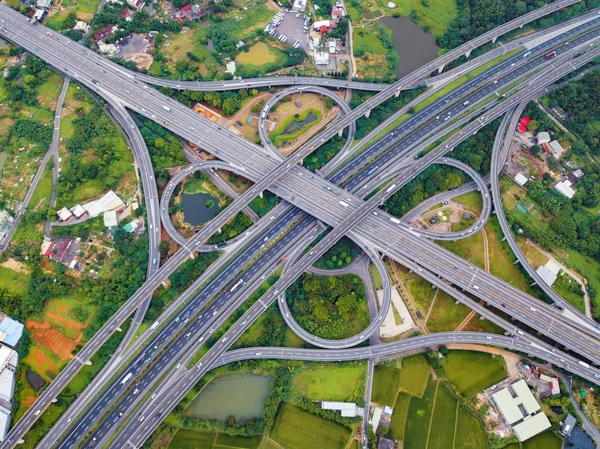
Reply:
x=13 y=330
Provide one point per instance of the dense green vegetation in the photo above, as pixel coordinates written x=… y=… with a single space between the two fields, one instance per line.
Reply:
x=263 y=205
x=165 y=150
x=338 y=256
x=329 y=306
x=239 y=224
x=475 y=17
x=432 y=180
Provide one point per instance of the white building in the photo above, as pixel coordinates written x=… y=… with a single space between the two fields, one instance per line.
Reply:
x=549 y=272
x=565 y=188
x=543 y=137
x=8 y=367
x=520 y=410
x=521 y=179
x=107 y=49
x=299 y=5
x=81 y=26
x=321 y=58
x=346 y=409
x=317 y=25
x=110 y=219
x=64 y=214
x=110 y=201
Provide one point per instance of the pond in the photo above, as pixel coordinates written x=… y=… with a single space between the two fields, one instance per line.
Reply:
x=299 y=124
x=239 y=395
x=414 y=46
x=195 y=209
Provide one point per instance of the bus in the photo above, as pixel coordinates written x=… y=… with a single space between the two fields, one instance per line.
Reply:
x=126 y=378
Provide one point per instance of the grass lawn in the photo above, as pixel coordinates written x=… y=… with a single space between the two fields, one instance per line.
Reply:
x=224 y=440
x=399 y=416
x=257 y=55
x=354 y=445
x=421 y=292
x=443 y=420
x=472 y=371
x=470 y=433
x=446 y=315
x=420 y=411
x=368 y=42
x=546 y=440
x=191 y=439
x=470 y=249
x=472 y=201
x=435 y=18
x=386 y=382
x=329 y=383
x=296 y=429
x=13 y=282
x=49 y=91
x=43 y=191
x=414 y=374
x=278 y=137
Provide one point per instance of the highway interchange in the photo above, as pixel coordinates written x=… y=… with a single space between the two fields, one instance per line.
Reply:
x=356 y=219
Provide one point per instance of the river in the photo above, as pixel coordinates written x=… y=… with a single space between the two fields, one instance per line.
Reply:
x=239 y=395
x=195 y=210
x=414 y=46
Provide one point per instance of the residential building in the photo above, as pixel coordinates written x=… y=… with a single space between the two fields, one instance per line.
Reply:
x=299 y=5
x=105 y=32
x=555 y=386
x=568 y=425
x=131 y=226
x=78 y=211
x=109 y=201
x=377 y=412
x=521 y=179
x=107 y=49
x=318 y=26
x=137 y=4
x=43 y=4
x=520 y=410
x=338 y=11
x=346 y=409
x=386 y=443
x=11 y=331
x=555 y=149
x=64 y=214
x=39 y=14
x=81 y=26
x=565 y=188
x=575 y=175
x=543 y=137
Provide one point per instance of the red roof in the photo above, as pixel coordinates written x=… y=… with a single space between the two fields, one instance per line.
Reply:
x=186 y=7
x=124 y=13
x=523 y=124
x=323 y=29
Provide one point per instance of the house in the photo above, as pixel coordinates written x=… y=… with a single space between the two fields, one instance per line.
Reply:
x=549 y=274
x=137 y=4
x=109 y=201
x=107 y=49
x=322 y=26
x=81 y=26
x=46 y=247
x=104 y=33
x=555 y=149
x=568 y=425
x=376 y=417
x=543 y=137
x=39 y=14
x=519 y=409
x=78 y=211
x=338 y=11
x=555 y=386
x=43 y=4
x=321 y=58
x=11 y=331
x=64 y=214
x=522 y=126
x=575 y=175
x=240 y=44
x=521 y=179
x=131 y=226
x=565 y=188
x=299 y=5
x=386 y=443
x=560 y=112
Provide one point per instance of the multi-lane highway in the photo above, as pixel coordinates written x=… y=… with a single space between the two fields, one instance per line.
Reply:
x=324 y=194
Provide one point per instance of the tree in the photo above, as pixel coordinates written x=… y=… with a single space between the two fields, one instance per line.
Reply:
x=163 y=248
x=535 y=150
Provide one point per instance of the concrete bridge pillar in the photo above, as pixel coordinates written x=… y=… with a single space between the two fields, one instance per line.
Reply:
x=494 y=39
x=88 y=363
x=468 y=53
x=532 y=284
x=516 y=262
x=192 y=255
x=54 y=401
x=341 y=131
x=481 y=318
x=261 y=194
x=397 y=93
x=503 y=238
x=119 y=329
x=457 y=302
x=368 y=113
x=219 y=231
x=441 y=68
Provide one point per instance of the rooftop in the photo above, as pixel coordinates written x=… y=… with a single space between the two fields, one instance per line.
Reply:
x=565 y=188
x=530 y=426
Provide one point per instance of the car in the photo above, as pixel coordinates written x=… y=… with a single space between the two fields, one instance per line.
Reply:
x=503 y=305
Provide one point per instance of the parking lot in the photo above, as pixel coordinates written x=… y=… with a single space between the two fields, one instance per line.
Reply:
x=291 y=26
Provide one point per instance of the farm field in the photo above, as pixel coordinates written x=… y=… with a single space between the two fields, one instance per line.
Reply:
x=413 y=375
x=546 y=440
x=446 y=315
x=330 y=383
x=83 y=9
x=421 y=292
x=195 y=439
x=472 y=371
x=434 y=16
x=386 y=382
x=290 y=430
